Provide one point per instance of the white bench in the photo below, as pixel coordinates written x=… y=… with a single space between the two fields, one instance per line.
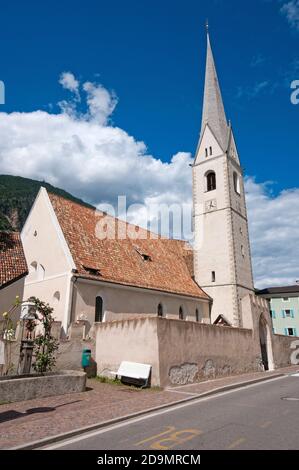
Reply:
x=134 y=370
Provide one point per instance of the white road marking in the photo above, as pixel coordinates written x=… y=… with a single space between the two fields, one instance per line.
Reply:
x=128 y=422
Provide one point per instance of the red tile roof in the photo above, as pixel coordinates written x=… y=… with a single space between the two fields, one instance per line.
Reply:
x=167 y=265
x=13 y=264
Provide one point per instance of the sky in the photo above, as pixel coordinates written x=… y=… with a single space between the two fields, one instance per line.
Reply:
x=105 y=98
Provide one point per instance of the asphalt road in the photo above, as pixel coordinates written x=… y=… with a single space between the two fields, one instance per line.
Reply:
x=263 y=416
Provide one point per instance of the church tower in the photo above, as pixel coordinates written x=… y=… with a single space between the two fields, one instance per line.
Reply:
x=222 y=259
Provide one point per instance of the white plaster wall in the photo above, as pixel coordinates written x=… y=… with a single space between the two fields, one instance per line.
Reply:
x=45 y=290
x=120 y=302
x=44 y=244
x=178 y=351
x=8 y=296
x=131 y=340
x=221 y=235
x=41 y=242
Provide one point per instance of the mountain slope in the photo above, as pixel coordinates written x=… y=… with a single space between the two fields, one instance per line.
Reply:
x=17 y=195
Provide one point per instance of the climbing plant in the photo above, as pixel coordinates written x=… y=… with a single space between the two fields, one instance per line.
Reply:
x=45 y=344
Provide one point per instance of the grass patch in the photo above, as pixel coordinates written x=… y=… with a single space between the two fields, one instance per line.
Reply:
x=4 y=402
x=107 y=380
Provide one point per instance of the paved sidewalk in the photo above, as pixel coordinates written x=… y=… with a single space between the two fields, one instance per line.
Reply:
x=28 y=421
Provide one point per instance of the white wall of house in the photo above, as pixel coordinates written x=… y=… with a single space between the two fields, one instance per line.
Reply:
x=48 y=258
x=8 y=296
x=123 y=302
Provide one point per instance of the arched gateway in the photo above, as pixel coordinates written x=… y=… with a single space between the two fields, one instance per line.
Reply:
x=266 y=344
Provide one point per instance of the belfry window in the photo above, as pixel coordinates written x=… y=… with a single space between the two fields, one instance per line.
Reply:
x=211 y=151
x=237 y=183
x=213 y=276
x=211 y=181
x=206 y=150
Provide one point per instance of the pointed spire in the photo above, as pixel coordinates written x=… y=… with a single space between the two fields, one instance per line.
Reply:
x=213 y=108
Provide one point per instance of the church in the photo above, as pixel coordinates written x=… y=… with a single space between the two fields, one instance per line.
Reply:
x=190 y=312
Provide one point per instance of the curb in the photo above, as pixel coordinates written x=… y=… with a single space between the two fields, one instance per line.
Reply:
x=61 y=437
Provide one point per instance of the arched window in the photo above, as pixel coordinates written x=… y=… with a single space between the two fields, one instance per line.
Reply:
x=237 y=187
x=181 y=313
x=197 y=315
x=211 y=151
x=99 y=309
x=40 y=272
x=33 y=267
x=160 y=310
x=211 y=181
x=56 y=297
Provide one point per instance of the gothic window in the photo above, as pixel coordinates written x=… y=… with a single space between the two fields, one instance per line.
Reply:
x=211 y=151
x=40 y=272
x=211 y=181
x=197 y=316
x=237 y=183
x=181 y=313
x=213 y=276
x=56 y=297
x=206 y=150
x=33 y=267
x=99 y=309
x=160 y=310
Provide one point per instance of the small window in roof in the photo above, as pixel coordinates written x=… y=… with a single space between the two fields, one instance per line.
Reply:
x=93 y=271
x=144 y=256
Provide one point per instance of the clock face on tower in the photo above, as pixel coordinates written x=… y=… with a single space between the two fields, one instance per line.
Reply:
x=211 y=205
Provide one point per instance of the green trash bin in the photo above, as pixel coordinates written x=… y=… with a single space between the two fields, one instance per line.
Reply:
x=86 y=358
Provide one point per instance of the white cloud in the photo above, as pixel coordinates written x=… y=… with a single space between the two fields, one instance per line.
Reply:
x=274 y=232
x=86 y=156
x=257 y=60
x=101 y=102
x=291 y=11
x=69 y=82
x=251 y=92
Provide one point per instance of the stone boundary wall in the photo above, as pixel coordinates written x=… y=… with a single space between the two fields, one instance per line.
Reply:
x=191 y=352
x=133 y=340
x=183 y=352
x=285 y=350
x=180 y=352
x=68 y=356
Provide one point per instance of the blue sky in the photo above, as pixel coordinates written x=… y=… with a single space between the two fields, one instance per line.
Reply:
x=105 y=98
x=152 y=54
